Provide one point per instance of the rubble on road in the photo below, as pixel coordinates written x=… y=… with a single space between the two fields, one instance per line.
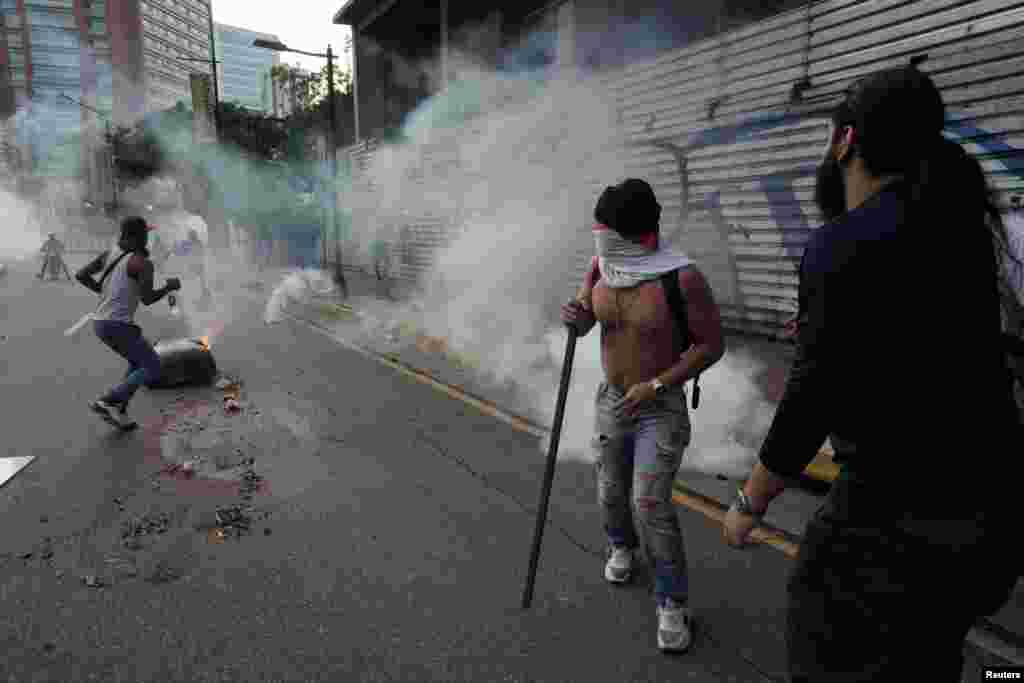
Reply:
x=234 y=520
x=146 y=525
x=164 y=573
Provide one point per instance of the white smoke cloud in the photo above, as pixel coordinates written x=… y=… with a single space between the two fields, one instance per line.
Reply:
x=517 y=183
x=22 y=233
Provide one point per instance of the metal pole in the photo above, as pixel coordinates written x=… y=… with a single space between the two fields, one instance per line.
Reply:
x=355 y=84
x=213 y=66
x=549 y=473
x=332 y=172
x=332 y=150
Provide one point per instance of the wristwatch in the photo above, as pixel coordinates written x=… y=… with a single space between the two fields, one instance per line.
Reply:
x=658 y=386
x=743 y=506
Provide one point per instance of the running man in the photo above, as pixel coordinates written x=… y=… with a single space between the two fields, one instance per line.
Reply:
x=127 y=280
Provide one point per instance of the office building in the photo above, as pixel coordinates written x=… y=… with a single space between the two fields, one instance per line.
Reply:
x=244 y=70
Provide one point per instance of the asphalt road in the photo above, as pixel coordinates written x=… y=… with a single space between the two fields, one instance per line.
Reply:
x=389 y=536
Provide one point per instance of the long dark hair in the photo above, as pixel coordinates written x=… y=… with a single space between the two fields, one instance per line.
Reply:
x=898 y=116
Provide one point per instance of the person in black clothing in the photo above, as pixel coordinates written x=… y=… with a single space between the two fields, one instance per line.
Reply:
x=899 y=362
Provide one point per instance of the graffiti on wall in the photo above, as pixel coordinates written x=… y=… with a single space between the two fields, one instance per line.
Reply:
x=779 y=188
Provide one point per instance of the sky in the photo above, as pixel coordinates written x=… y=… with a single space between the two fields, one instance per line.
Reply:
x=300 y=24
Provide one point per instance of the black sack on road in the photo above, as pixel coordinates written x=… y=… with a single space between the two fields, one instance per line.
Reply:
x=184 y=362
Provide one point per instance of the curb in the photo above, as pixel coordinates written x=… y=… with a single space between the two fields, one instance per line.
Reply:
x=821 y=470
x=985 y=635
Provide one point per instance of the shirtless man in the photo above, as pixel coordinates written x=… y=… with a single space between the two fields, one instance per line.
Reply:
x=642 y=424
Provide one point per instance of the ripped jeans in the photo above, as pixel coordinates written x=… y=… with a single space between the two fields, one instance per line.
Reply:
x=637 y=460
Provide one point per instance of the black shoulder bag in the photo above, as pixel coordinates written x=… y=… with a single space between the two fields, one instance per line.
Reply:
x=676 y=303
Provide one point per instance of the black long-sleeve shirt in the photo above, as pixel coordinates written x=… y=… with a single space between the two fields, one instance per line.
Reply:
x=898 y=348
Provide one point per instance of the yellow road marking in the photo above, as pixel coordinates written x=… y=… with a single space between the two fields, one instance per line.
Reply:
x=689 y=499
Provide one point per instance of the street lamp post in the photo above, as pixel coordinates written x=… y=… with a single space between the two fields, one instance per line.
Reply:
x=113 y=145
x=278 y=46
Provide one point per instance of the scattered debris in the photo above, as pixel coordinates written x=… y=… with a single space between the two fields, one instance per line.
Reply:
x=146 y=525
x=234 y=521
x=164 y=573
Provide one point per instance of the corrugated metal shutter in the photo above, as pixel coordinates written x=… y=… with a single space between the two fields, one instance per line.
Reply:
x=715 y=129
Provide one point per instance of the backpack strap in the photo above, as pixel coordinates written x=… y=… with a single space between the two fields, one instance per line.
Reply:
x=111 y=268
x=677 y=304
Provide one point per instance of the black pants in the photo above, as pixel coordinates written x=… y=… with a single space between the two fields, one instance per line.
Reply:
x=870 y=602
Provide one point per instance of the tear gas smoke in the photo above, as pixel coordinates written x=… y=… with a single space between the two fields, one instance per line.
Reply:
x=515 y=180
x=296 y=288
x=23 y=232
x=727 y=429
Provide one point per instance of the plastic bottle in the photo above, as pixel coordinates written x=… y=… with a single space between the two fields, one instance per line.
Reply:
x=175 y=308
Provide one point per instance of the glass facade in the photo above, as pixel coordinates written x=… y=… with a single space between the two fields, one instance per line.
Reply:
x=176 y=43
x=245 y=70
x=47 y=124
x=59 y=55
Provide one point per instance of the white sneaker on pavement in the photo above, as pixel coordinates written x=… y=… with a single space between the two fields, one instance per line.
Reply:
x=113 y=414
x=675 y=622
x=619 y=568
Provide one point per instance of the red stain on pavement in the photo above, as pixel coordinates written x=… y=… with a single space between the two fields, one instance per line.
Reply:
x=187 y=483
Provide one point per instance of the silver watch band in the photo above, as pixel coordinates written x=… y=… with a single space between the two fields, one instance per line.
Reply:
x=744 y=506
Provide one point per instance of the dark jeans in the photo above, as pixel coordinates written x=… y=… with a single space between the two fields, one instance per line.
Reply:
x=127 y=341
x=869 y=601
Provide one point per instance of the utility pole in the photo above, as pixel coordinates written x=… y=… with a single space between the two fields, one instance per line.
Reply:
x=339 y=275
x=111 y=140
x=213 y=66
x=332 y=150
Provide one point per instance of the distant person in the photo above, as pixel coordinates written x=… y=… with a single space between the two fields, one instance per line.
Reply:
x=194 y=253
x=899 y=362
x=158 y=251
x=643 y=424
x=127 y=279
x=53 y=258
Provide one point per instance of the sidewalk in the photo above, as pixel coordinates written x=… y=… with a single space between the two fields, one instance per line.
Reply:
x=358 y=322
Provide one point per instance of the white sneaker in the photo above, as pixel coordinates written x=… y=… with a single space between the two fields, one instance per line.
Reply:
x=113 y=414
x=619 y=568
x=674 y=627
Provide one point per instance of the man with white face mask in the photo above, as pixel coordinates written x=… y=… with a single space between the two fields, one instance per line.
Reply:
x=648 y=353
x=900 y=362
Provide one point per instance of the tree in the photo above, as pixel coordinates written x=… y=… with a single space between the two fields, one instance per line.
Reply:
x=319 y=83
x=297 y=84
